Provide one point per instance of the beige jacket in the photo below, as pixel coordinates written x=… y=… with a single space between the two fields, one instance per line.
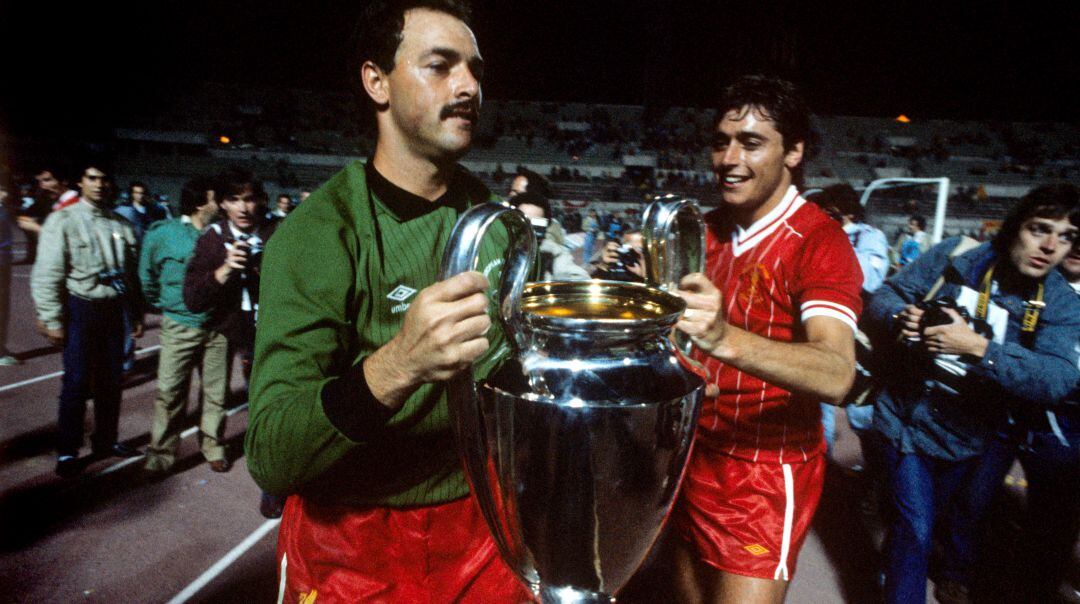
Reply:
x=77 y=244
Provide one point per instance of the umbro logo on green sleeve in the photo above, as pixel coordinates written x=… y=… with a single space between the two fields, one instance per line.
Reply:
x=401 y=293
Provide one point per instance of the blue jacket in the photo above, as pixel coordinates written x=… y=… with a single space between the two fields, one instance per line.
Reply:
x=1060 y=419
x=915 y=414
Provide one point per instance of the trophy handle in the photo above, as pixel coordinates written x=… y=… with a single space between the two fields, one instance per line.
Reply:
x=467 y=417
x=674 y=234
x=463 y=251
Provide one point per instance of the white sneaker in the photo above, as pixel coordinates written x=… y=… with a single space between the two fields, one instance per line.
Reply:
x=7 y=361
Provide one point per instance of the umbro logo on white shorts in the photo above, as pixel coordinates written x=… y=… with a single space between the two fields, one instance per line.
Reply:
x=401 y=293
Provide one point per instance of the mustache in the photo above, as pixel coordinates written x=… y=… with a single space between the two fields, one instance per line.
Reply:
x=469 y=109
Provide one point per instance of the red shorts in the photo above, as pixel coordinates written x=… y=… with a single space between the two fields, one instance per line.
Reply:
x=748 y=518
x=439 y=553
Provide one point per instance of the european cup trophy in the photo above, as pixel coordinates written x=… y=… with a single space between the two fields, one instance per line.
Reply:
x=575 y=446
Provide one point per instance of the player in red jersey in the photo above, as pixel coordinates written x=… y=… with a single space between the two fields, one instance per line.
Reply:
x=773 y=321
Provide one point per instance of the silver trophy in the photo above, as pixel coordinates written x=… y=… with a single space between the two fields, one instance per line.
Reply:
x=575 y=446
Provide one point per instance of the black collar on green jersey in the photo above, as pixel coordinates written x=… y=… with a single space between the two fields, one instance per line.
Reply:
x=407 y=206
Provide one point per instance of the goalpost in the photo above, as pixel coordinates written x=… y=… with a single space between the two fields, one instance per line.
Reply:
x=942 y=198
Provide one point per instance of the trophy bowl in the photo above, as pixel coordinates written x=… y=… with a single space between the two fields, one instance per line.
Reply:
x=575 y=446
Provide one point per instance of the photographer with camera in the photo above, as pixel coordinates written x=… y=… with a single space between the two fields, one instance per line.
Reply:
x=222 y=278
x=621 y=260
x=972 y=339
x=83 y=283
x=556 y=262
x=1045 y=439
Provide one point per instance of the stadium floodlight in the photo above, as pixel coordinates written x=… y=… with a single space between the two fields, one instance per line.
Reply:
x=942 y=197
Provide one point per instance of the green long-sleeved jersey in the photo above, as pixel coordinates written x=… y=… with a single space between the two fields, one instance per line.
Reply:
x=166 y=249
x=337 y=279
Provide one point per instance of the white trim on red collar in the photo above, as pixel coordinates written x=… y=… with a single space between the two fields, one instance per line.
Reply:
x=745 y=239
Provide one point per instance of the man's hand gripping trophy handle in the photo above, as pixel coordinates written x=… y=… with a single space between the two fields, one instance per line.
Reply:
x=704 y=319
x=442 y=334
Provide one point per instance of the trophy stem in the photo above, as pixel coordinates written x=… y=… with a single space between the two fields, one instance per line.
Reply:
x=550 y=594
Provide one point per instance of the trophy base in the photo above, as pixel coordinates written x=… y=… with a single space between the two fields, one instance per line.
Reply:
x=550 y=594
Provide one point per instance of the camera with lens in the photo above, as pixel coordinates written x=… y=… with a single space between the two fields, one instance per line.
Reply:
x=934 y=314
x=628 y=256
x=539 y=227
x=113 y=279
x=254 y=254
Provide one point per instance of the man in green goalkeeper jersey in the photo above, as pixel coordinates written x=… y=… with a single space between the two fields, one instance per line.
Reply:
x=356 y=336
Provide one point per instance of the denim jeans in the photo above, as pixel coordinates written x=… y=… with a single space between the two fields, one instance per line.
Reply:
x=129 y=344
x=919 y=488
x=93 y=354
x=1051 y=465
x=860 y=417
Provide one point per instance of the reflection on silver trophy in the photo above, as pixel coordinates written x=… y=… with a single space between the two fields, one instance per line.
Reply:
x=575 y=446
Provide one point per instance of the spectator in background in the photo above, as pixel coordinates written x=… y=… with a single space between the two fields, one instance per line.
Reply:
x=953 y=381
x=620 y=260
x=83 y=283
x=527 y=181
x=185 y=341
x=8 y=193
x=591 y=226
x=55 y=188
x=871 y=246
x=1045 y=437
x=282 y=207
x=222 y=278
x=141 y=210
x=556 y=262
x=1070 y=267
x=52 y=193
x=614 y=229
x=912 y=241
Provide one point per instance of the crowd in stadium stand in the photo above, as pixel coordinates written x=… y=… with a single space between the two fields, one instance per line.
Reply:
x=587 y=205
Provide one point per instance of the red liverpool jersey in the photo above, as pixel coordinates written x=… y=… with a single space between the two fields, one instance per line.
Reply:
x=793 y=264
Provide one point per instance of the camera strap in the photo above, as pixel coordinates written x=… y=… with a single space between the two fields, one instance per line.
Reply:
x=1032 y=308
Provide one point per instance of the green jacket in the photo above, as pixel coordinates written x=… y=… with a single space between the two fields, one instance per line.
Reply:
x=337 y=278
x=166 y=249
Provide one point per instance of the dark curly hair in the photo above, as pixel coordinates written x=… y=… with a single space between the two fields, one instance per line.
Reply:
x=378 y=34
x=1054 y=201
x=233 y=181
x=780 y=101
x=534 y=199
x=193 y=194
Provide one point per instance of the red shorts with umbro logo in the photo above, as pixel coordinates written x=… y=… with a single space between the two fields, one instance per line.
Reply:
x=427 y=554
x=748 y=518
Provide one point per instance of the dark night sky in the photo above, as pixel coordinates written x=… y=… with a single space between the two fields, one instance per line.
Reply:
x=87 y=67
